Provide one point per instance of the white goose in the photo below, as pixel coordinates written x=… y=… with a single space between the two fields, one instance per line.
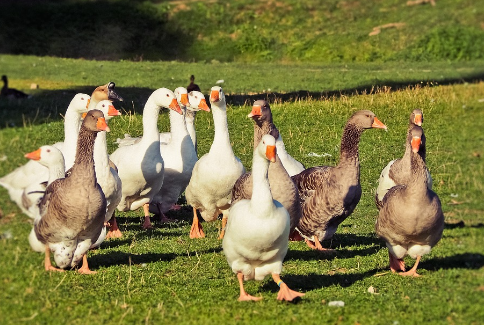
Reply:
x=140 y=165
x=107 y=176
x=256 y=238
x=179 y=155
x=33 y=172
x=52 y=158
x=214 y=175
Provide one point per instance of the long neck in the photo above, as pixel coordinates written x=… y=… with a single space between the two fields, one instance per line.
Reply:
x=221 y=138
x=178 y=128
x=261 y=129
x=72 y=123
x=84 y=162
x=5 y=83
x=190 y=123
x=56 y=171
x=349 y=145
x=418 y=176
x=150 y=121
x=101 y=157
x=261 y=200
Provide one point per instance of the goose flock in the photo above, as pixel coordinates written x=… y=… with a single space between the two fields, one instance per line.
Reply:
x=71 y=189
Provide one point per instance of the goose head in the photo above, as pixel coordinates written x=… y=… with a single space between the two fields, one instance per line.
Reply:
x=217 y=97
x=108 y=109
x=416 y=117
x=94 y=121
x=197 y=101
x=181 y=94
x=80 y=102
x=164 y=97
x=267 y=147
x=4 y=79
x=46 y=155
x=415 y=137
x=261 y=112
x=105 y=92
x=366 y=119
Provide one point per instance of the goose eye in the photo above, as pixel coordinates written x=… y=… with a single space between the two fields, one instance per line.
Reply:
x=167 y=95
x=48 y=150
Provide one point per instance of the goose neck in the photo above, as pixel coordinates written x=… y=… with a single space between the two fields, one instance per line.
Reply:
x=178 y=128
x=151 y=112
x=84 y=162
x=56 y=171
x=261 y=199
x=72 y=123
x=349 y=145
x=221 y=138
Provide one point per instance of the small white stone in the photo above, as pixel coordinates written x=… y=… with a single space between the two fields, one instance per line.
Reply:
x=336 y=303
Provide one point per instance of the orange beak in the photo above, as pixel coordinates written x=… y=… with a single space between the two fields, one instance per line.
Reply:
x=34 y=155
x=101 y=125
x=88 y=101
x=174 y=106
x=184 y=99
x=378 y=124
x=84 y=115
x=256 y=111
x=416 y=144
x=418 y=120
x=203 y=105
x=271 y=153
x=214 y=96
x=113 y=111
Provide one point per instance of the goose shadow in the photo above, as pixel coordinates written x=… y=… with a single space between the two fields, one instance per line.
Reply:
x=311 y=255
x=461 y=224
x=305 y=283
x=118 y=258
x=458 y=261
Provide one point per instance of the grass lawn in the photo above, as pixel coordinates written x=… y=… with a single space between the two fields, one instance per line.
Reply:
x=161 y=276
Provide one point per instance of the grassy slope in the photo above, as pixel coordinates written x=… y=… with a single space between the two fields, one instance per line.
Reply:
x=163 y=276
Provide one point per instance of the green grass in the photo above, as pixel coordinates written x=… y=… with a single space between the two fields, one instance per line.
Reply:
x=161 y=276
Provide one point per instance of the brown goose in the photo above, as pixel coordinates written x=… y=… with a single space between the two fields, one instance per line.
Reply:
x=282 y=186
x=411 y=220
x=395 y=172
x=73 y=208
x=192 y=86
x=330 y=194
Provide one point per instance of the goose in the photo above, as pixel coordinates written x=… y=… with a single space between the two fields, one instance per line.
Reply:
x=192 y=86
x=329 y=194
x=215 y=173
x=394 y=173
x=256 y=239
x=73 y=208
x=107 y=175
x=179 y=155
x=52 y=158
x=283 y=188
x=411 y=220
x=34 y=173
x=140 y=165
x=11 y=92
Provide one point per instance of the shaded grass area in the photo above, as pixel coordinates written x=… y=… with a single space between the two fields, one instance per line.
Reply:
x=59 y=79
x=162 y=276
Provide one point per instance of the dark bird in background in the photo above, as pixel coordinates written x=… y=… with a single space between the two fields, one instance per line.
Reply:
x=11 y=92
x=192 y=86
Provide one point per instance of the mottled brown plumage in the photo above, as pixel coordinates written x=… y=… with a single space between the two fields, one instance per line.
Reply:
x=73 y=208
x=282 y=187
x=411 y=220
x=330 y=194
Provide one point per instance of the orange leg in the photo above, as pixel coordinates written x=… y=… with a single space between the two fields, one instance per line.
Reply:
x=285 y=293
x=47 y=263
x=244 y=296
x=197 y=230
x=413 y=270
x=114 y=231
x=224 y=224
x=317 y=245
x=147 y=222
x=85 y=267
x=395 y=263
